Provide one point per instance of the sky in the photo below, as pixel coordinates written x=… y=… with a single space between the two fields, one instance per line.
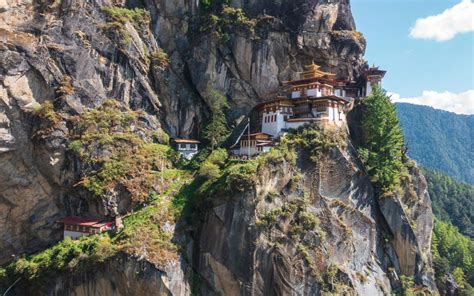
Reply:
x=426 y=46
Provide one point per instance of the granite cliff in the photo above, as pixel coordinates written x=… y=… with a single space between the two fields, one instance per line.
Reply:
x=61 y=58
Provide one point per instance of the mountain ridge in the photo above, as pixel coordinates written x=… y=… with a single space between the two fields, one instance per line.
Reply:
x=439 y=140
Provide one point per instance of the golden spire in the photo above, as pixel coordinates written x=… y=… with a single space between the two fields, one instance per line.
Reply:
x=313 y=71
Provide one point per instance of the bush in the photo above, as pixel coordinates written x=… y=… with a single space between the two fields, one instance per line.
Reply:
x=209 y=170
x=46 y=112
x=241 y=176
x=116 y=19
x=160 y=59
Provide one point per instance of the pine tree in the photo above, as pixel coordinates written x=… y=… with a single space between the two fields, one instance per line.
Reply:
x=383 y=141
x=216 y=131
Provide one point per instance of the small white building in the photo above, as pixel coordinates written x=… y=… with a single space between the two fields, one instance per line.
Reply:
x=187 y=147
x=251 y=145
x=373 y=77
x=75 y=227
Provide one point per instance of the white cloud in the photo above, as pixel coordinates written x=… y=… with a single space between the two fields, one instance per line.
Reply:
x=444 y=26
x=461 y=103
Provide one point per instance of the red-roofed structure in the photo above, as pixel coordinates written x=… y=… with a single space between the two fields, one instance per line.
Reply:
x=75 y=227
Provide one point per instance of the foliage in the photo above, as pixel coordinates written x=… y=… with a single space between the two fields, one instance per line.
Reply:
x=407 y=284
x=136 y=16
x=452 y=201
x=453 y=252
x=160 y=59
x=106 y=139
x=211 y=167
x=301 y=221
x=117 y=17
x=66 y=256
x=241 y=177
x=46 y=112
x=225 y=20
x=216 y=131
x=315 y=139
x=383 y=143
x=65 y=86
x=439 y=140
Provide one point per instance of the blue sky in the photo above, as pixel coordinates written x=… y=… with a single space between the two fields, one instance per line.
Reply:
x=431 y=69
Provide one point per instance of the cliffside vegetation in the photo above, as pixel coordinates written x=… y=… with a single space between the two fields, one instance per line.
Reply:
x=382 y=143
x=116 y=149
x=66 y=256
x=439 y=140
x=147 y=233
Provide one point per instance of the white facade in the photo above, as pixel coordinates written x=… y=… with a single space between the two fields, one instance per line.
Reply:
x=187 y=150
x=74 y=234
x=295 y=94
x=273 y=122
x=251 y=149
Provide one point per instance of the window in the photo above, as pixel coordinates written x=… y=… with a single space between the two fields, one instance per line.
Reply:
x=193 y=146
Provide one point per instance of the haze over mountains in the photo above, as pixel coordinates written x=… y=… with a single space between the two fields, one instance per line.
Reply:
x=439 y=140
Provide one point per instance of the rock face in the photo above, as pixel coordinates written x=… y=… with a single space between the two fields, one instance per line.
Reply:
x=240 y=255
x=70 y=53
x=51 y=44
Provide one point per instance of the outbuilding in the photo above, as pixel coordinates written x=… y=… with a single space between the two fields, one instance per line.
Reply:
x=187 y=147
x=75 y=227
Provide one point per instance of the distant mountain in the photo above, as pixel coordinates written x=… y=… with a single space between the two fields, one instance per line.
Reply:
x=439 y=140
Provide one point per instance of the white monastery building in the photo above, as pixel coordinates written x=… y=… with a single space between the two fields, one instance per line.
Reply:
x=315 y=97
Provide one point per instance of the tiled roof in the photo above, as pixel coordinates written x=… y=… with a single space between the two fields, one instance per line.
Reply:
x=74 y=220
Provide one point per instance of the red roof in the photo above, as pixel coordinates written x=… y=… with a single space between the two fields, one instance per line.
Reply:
x=74 y=220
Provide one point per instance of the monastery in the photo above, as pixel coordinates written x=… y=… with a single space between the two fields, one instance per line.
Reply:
x=315 y=97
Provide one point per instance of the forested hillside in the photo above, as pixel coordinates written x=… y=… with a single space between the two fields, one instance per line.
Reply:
x=452 y=201
x=439 y=140
x=452 y=244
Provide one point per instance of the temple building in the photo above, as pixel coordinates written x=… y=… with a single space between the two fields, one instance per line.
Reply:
x=252 y=144
x=187 y=147
x=373 y=77
x=75 y=227
x=315 y=97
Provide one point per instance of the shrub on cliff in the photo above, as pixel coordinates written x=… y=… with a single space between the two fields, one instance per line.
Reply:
x=383 y=141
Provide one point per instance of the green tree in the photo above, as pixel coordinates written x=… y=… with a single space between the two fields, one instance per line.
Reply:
x=216 y=131
x=383 y=142
x=453 y=253
x=452 y=201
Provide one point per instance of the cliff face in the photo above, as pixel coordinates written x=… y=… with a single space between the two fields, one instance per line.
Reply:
x=76 y=55
x=258 y=241
x=73 y=54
